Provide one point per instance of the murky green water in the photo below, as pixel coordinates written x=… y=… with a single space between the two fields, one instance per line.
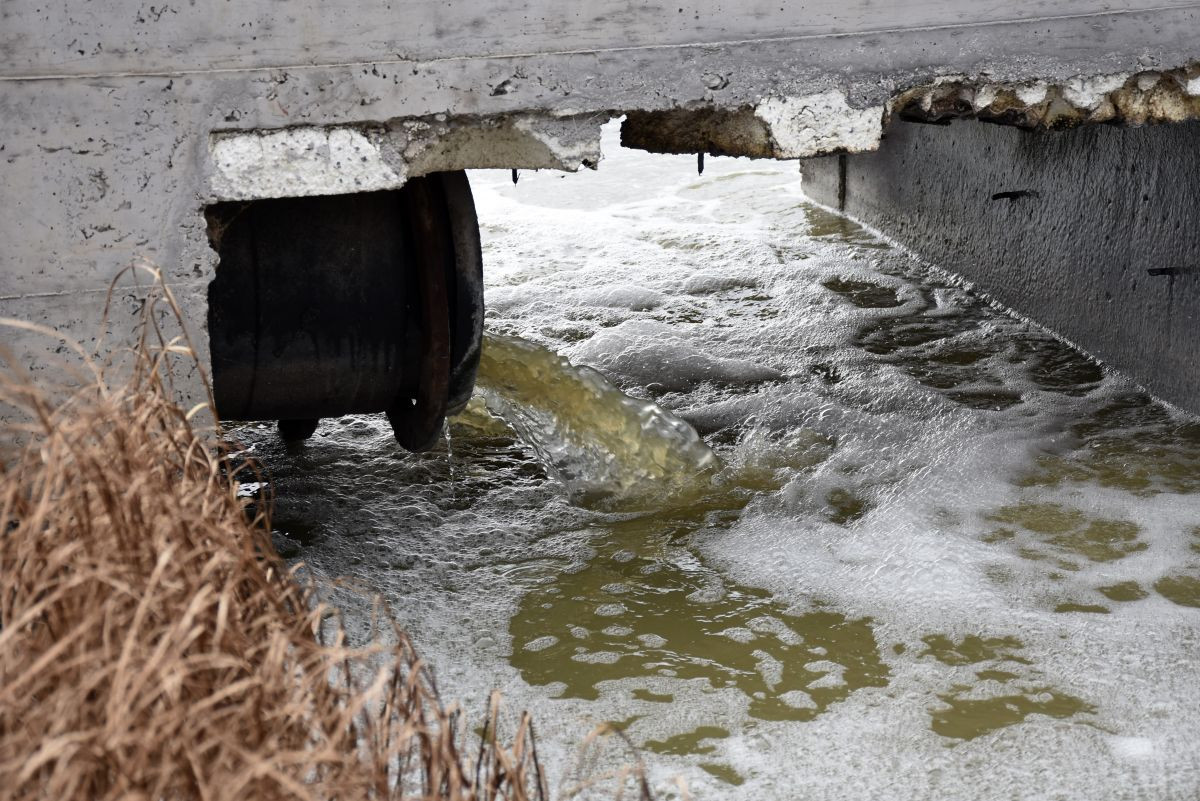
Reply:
x=923 y=550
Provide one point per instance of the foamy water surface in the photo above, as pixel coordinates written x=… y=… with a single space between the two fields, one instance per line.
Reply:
x=943 y=555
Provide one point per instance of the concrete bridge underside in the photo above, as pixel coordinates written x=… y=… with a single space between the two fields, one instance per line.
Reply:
x=121 y=122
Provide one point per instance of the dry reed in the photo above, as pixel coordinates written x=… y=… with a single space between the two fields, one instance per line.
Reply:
x=154 y=646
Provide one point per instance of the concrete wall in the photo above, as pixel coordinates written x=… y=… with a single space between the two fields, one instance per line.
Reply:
x=1094 y=232
x=121 y=120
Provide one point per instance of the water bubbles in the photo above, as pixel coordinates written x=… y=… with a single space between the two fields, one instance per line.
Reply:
x=540 y=643
x=942 y=554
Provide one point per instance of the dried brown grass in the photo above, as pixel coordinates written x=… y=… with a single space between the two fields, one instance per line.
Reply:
x=154 y=646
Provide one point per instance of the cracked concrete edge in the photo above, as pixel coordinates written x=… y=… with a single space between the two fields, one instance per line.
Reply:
x=826 y=123
x=336 y=159
x=339 y=159
x=1127 y=98
x=299 y=161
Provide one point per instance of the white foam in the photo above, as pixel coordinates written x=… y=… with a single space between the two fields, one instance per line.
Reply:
x=708 y=294
x=652 y=354
x=930 y=472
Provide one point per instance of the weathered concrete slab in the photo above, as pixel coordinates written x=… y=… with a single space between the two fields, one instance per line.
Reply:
x=131 y=36
x=120 y=121
x=1091 y=232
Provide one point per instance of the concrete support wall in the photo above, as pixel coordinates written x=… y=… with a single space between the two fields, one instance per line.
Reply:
x=1093 y=232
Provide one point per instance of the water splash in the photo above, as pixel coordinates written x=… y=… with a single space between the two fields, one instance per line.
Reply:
x=604 y=446
x=449 y=455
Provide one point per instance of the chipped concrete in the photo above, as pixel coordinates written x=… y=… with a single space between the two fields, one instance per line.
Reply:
x=309 y=160
x=297 y=162
x=718 y=132
x=774 y=127
x=820 y=123
x=827 y=122
x=1147 y=96
x=313 y=160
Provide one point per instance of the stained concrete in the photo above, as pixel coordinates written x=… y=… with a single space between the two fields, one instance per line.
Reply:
x=120 y=121
x=1092 y=232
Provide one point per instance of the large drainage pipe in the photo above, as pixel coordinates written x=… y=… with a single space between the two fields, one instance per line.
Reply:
x=1093 y=232
x=359 y=303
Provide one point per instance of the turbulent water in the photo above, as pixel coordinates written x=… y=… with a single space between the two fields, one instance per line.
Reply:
x=937 y=553
x=602 y=446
